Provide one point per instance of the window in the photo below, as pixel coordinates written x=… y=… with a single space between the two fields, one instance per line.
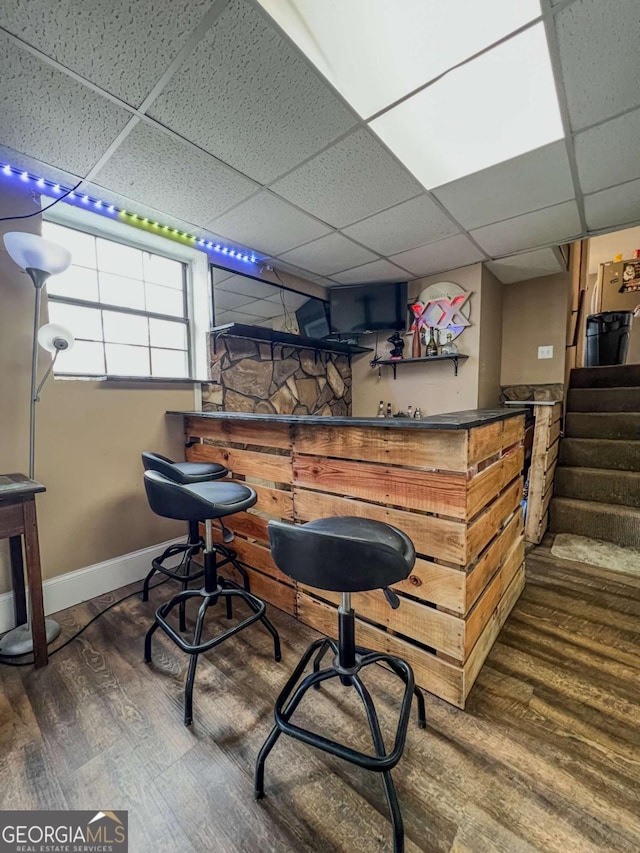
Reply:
x=125 y=306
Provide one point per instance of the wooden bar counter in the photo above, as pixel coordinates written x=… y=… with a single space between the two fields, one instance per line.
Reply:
x=452 y=483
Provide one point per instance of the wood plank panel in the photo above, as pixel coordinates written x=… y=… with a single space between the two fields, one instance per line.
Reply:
x=248 y=524
x=554 y=433
x=490 y=633
x=488 y=601
x=484 y=528
x=280 y=595
x=248 y=463
x=488 y=483
x=437 y=584
x=491 y=559
x=427 y=625
x=240 y=432
x=436 y=449
x=434 y=674
x=11 y=520
x=276 y=502
x=512 y=431
x=429 y=491
x=255 y=556
x=484 y=442
x=440 y=538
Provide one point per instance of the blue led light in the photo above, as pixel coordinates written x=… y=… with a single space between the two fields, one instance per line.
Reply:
x=40 y=182
x=24 y=176
x=85 y=199
x=6 y=170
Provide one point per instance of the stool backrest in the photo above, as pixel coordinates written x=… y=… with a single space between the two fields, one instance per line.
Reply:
x=174 y=500
x=343 y=560
x=156 y=462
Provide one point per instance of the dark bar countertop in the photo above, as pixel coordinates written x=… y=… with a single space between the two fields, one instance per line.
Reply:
x=451 y=420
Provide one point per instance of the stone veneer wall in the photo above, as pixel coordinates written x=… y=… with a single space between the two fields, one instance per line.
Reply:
x=554 y=391
x=245 y=377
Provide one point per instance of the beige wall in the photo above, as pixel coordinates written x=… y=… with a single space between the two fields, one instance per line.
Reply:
x=534 y=315
x=490 y=350
x=433 y=387
x=89 y=437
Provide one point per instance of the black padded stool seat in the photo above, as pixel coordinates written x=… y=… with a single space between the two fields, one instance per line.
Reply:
x=183 y=472
x=194 y=503
x=345 y=555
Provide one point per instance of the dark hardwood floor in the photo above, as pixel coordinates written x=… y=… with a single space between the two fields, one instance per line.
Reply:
x=545 y=758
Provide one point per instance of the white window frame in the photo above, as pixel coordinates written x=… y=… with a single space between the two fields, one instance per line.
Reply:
x=197 y=274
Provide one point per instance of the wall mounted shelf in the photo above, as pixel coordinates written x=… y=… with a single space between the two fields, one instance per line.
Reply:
x=394 y=362
x=275 y=338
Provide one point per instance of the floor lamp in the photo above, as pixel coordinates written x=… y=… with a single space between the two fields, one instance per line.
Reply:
x=40 y=259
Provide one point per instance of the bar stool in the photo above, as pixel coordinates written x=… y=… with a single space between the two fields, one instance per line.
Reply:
x=187 y=473
x=345 y=555
x=194 y=503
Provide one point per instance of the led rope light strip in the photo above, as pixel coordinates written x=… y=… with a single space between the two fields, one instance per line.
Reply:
x=144 y=223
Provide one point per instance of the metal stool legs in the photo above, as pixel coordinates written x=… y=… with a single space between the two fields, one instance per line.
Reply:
x=213 y=590
x=348 y=662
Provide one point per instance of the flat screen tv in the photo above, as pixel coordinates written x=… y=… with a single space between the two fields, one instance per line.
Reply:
x=368 y=308
x=313 y=318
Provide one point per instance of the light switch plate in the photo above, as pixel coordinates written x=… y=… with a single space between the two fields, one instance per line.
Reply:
x=545 y=352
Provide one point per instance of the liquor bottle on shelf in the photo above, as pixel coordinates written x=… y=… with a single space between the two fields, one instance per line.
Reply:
x=381 y=409
x=418 y=413
x=416 y=349
x=389 y=415
x=432 y=346
x=449 y=348
x=409 y=411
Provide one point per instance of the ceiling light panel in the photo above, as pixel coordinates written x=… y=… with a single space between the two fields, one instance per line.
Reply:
x=498 y=106
x=377 y=51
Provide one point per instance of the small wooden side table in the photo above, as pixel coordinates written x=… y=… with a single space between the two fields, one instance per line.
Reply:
x=18 y=519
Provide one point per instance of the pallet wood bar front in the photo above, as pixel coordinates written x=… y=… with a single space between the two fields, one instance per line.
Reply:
x=455 y=490
x=544 y=458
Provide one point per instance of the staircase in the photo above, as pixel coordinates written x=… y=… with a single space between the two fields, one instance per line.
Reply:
x=597 y=482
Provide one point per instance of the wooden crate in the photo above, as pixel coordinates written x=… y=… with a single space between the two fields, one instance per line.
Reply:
x=456 y=494
x=544 y=458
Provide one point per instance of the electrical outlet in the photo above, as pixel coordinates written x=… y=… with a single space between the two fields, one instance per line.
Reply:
x=545 y=352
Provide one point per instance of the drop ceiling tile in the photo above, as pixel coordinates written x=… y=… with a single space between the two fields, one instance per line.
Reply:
x=354 y=178
x=225 y=300
x=618 y=206
x=497 y=106
x=598 y=41
x=529 y=182
x=447 y=254
x=609 y=154
x=528 y=265
x=555 y=224
x=121 y=46
x=154 y=168
x=248 y=287
x=247 y=96
x=328 y=255
x=412 y=223
x=35 y=167
x=269 y=224
x=381 y=270
x=51 y=117
x=224 y=317
x=262 y=308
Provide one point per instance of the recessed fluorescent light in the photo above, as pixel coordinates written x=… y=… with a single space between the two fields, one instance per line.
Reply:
x=376 y=51
x=501 y=104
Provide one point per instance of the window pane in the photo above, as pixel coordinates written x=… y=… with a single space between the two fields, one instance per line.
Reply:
x=114 y=257
x=126 y=360
x=84 y=357
x=76 y=283
x=82 y=246
x=164 y=333
x=81 y=322
x=125 y=328
x=169 y=363
x=163 y=271
x=117 y=290
x=164 y=300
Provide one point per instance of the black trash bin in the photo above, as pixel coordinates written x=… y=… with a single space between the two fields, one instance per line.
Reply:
x=608 y=338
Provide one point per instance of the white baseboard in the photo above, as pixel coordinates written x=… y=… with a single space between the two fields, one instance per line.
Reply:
x=83 y=584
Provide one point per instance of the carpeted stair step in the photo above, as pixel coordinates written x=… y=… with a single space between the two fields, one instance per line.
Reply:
x=616 y=425
x=614 y=376
x=611 y=522
x=625 y=399
x=598 y=484
x=600 y=453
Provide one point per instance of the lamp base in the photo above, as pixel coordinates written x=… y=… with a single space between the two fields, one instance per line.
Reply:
x=18 y=641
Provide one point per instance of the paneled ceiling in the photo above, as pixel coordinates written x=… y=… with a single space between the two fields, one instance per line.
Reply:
x=369 y=140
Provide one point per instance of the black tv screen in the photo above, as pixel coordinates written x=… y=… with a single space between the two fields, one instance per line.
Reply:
x=368 y=308
x=313 y=318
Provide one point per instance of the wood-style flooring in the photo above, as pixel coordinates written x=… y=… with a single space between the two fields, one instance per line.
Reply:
x=545 y=758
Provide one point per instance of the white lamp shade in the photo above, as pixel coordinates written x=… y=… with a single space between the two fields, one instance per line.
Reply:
x=55 y=338
x=30 y=251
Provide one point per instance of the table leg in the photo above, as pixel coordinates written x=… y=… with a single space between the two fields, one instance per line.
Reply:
x=34 y=579
x=17 y=577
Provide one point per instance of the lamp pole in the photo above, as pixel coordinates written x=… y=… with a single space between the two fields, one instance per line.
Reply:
x=38 y=277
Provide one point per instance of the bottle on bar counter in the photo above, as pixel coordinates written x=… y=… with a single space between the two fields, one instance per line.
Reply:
x=381 y=409
x=432 y=346
x=389 y=414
